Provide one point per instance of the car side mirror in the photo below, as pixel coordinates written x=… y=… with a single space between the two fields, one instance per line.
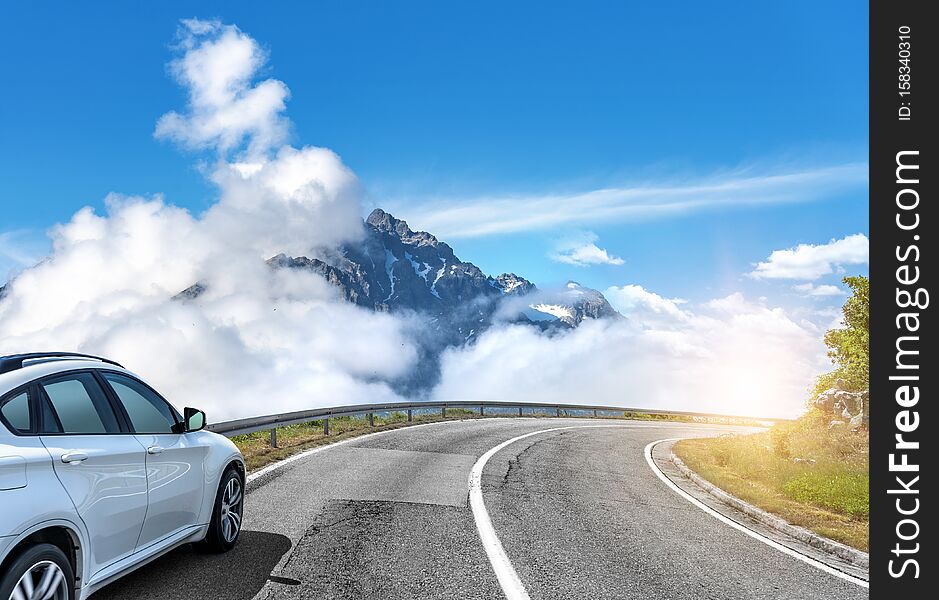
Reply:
x=194 y=419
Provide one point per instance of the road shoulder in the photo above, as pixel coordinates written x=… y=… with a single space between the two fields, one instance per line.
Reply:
x=796 y=539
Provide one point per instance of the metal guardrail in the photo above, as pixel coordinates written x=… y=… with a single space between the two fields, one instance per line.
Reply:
x=272 y=422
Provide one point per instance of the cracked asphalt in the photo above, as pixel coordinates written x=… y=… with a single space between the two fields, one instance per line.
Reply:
x=579 y=513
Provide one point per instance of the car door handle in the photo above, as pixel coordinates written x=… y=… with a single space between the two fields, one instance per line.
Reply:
x=71 y=458
x=155 y=450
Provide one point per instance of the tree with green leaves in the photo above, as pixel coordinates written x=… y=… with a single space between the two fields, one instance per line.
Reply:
x=849 y=345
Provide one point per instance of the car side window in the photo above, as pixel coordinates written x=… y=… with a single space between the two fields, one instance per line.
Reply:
x=147 y=411
x=15 y=411
x=77 y=405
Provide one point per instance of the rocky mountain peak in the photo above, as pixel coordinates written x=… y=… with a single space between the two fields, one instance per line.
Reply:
x=396 y=269
x=386 y=223
x=512 y=284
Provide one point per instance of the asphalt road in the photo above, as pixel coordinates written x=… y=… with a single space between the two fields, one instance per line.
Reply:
x=579 y=512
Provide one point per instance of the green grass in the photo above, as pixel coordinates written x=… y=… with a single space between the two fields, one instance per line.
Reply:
x=637 y=416
x=801 y=471
x=843 y=492
x=292 y=439
x=297 y=438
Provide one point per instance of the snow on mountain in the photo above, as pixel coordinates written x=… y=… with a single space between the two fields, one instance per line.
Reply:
x=563 y=313
x=395 y=269
x=512 y=284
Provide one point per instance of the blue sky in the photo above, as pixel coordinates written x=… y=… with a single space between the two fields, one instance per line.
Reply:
x=478 y=105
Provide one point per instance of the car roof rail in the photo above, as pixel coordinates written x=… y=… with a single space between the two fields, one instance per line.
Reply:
x=15 y=361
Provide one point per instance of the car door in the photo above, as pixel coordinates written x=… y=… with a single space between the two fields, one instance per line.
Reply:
x=101 y=467
x=175 y=462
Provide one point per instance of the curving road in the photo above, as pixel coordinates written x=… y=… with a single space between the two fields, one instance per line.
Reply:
x=578 y=511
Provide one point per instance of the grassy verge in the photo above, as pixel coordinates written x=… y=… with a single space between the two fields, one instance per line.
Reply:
x=297 y=438
x=257 y=450
x=801 y=471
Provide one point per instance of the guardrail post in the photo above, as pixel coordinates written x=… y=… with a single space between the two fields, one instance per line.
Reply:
x=271 y=423
x=482 y=411
x=594 y=413
x=371 y=420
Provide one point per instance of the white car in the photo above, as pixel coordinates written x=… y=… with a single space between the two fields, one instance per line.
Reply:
x=100 y=475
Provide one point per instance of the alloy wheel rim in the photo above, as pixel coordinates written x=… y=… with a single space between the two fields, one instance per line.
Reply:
x=43 y=581
x=231 y=509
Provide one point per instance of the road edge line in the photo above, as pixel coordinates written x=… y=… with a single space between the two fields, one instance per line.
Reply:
x=753 y=534
x=844 y=552
x=266 y=469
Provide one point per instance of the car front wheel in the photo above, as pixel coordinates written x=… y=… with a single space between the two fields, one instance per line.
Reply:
x=42 y=572
x=225 y=526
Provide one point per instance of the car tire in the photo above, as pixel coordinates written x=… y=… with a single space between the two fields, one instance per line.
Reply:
x=225 y=526
x=42 y=564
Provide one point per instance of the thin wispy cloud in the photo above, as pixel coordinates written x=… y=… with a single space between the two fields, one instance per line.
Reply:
x=12 y=249
x=20 y=249
x=492 y=215
x=811 y=261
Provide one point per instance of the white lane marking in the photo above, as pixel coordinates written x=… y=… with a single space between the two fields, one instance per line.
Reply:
x=785 y=550
x=512 y=586
x=291 y=459
x=476 y=501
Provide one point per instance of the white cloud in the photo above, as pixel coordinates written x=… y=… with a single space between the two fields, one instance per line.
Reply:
x=737 y=358
x=810 y=261
x=218 y=67
x=258 y=340
x=582 y=251
x=810 y=289
x=732 y=304
x=473 y=217
x=297 y=201
x=646 y=308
